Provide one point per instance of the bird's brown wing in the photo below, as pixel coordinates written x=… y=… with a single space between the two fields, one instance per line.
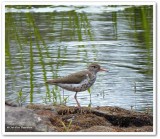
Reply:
x=72 y=78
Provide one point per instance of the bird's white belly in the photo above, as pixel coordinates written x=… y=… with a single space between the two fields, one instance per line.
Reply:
x=84 y=85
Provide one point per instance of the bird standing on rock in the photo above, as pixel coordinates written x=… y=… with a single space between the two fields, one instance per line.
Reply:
x=79 y=81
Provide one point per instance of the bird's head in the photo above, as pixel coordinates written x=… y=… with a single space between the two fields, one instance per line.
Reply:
x=94 y=67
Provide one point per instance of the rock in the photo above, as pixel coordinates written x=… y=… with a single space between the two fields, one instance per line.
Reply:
x=20 y=119
x=137 y=129
x=11 y=103
x=48 y=118
x=41 y=107
x=124 y=118
x=117 y=129
x=98 y=129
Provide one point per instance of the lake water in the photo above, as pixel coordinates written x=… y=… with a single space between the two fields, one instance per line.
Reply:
x=45 y=42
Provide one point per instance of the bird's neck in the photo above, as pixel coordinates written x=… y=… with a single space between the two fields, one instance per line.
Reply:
x=91 y=79
x=93 y=74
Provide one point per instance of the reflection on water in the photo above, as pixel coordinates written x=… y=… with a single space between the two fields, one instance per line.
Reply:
x=51 y=41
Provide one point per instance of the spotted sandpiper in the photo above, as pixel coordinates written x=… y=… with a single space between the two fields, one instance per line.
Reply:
x=79 y=81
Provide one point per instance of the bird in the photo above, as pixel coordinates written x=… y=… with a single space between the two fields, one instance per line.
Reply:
x=79 y=81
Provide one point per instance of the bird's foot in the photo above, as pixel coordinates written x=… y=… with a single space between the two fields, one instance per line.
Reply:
x=78 y=105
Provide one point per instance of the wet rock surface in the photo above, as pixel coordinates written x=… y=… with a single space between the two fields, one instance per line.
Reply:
x=47 y=118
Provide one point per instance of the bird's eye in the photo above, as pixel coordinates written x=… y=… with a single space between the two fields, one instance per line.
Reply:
x=94 y=66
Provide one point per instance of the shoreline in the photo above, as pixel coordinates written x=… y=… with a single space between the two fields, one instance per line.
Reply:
x=60 y=118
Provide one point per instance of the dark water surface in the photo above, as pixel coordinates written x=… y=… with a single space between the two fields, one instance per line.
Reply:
x=43 y=42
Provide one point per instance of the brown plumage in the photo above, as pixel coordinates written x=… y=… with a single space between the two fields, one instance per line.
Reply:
x=73 y=78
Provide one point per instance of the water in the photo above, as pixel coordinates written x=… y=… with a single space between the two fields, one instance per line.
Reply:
x=51 y=41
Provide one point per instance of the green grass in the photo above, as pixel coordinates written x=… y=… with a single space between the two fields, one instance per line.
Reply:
x=56 y=98
x=21 y=98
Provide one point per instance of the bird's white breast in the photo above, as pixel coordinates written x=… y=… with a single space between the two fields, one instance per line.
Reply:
x=84 y=85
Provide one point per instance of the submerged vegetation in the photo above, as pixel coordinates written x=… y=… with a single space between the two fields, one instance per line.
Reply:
x=56 y=98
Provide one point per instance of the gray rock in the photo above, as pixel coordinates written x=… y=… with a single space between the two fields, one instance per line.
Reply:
x=20 y=119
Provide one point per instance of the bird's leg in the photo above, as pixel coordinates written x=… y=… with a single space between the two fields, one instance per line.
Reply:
x=77 y=100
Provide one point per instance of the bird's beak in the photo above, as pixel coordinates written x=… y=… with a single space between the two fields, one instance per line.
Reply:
x=101 y=69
